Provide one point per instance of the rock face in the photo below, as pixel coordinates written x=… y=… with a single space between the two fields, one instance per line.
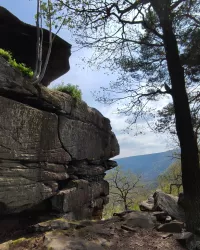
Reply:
x=12 y=30
x=52 y=150
x=169 y=204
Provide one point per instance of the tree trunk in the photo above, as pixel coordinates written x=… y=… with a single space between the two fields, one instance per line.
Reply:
x=125 y=205
x=184 y=127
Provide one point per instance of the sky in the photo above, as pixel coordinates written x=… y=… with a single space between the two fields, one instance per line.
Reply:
x=90 y=80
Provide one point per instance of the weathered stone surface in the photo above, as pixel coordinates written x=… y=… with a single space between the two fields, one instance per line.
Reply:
x=82 y=199
x=147 y=205
x=12 y=83
x=14 y=86
x=86 y=114
x=189 y=240
x=172 y=227
x=82 y=168
x=29 y=134
x=75 y=136
x=46 y=226
x=46 y=141
x=87 y=171
x=57 y=100
x=168 y=203
x=160 y=216
x=140 y=219
x=12 y=30
x=59 y=241
x=22 y=187
x=12 y=80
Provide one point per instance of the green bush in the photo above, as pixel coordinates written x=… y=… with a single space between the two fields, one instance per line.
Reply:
x=20 y=66
x=70 y=89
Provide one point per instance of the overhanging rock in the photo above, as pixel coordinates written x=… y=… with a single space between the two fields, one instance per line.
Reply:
x=20 y=38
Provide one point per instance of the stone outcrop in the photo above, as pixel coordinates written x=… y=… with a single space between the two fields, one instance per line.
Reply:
x=163 y=205
x=169 y=204
x=12 y=30
x=53 y=151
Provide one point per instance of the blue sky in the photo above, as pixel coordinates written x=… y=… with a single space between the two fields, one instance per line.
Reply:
x=90 y=80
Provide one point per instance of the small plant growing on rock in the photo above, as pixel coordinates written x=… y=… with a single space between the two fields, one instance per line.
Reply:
x=70 y=89
x=6 y=54
x=20 y=66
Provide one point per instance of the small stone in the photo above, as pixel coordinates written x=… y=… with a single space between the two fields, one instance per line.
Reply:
x=168 y=219
x=167 y=235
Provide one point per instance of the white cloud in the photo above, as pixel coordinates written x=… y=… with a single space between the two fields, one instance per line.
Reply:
x=130 y=144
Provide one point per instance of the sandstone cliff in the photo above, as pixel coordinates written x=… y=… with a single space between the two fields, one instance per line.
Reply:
x=53 y=152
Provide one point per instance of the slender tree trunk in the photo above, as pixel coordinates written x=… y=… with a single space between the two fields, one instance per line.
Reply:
x=125 y=205
x=184 y=127
x=38 y=40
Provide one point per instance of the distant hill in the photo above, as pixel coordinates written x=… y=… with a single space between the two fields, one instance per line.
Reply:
x=149 y=166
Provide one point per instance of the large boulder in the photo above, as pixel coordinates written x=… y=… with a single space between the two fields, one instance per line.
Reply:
x=52 y=150
x=12 y=30
x=139 y=219
x=169 y=204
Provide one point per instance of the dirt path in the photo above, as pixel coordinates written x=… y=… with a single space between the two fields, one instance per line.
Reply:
x=106 y=235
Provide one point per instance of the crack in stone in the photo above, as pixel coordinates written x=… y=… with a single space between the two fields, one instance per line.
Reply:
x=59 y=137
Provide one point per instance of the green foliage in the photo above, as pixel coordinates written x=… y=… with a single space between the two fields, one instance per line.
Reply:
x=137 y=54
x=20 y=66
x=6 y=54
x=70 y=89
x=171 y=180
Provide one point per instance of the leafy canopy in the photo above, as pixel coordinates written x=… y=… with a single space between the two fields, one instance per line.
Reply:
x=171 y=180
x=127 y=38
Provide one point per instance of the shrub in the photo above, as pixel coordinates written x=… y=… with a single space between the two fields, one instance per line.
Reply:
x=20 y=66
x=70 y=89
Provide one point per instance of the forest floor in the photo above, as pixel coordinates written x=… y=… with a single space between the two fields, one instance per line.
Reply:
x=99 y=235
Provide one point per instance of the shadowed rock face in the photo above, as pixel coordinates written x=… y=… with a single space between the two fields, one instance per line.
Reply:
x=20 y=38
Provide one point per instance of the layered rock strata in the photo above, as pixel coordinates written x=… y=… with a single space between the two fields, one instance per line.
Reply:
x=53 y=151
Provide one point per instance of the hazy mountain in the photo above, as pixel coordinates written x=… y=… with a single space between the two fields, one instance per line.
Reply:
x=149 y=166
